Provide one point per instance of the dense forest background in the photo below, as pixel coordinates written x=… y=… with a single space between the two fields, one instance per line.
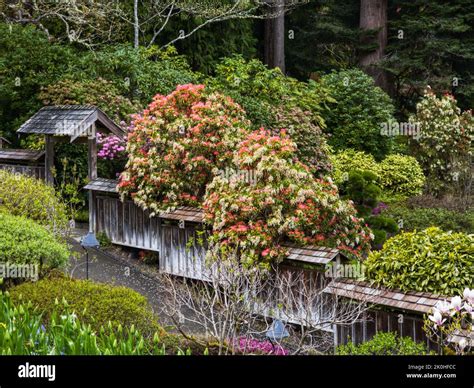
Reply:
x=404 y=45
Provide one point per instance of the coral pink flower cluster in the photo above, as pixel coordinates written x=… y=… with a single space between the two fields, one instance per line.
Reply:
x=175 y=144
x=287 y=204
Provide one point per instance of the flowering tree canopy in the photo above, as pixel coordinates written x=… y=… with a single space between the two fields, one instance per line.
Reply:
x=176 y=142
x=193 y=148
x=273 y=199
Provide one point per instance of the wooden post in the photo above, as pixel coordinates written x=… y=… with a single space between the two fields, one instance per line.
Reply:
x=92 y=174
x=49 y=159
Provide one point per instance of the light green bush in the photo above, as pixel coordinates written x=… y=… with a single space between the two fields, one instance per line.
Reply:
x=384 y=344
x=29 y=197
x=345 y=161
x=95 y=304
x=429 y=260
x=401 y=175
x=22 y=241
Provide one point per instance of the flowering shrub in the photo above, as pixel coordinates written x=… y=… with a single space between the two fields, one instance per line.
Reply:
x=444 y=148
x=430 y=260
x=275 y=101
x=381 y=206
x=312 y=148
x=110 y=146
x=283 y=204
x=176 y=142
x=452 y=318
x=246 y=345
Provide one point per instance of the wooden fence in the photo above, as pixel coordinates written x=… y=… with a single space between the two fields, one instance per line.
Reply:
x=126 y=224
x=180 y=254
x=37 y=172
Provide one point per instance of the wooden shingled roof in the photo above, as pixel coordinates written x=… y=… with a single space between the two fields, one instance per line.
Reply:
x=184 y=213
x=102 y=184
x=312 y=254
x=420 y=302
x=68 y=120
x=9 y=154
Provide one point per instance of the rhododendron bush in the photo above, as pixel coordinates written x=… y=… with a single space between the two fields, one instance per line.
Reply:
x=176 y=142
x=110 y=146
x=283 y=203
x=444 y=148
x=193 y=148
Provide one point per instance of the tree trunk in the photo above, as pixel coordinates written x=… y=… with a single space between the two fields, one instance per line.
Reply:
x=136 y=26
x=373 y=16
x=274 y=38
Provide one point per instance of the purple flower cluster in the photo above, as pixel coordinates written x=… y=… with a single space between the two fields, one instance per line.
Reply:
x=254 y=346
x=379 y=208
x=110 y=147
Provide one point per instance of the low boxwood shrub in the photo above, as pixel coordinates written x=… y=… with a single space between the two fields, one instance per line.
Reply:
x=384 y=344
x=421 y=218
x=430 y=260
x=21 y=195
x=22 y=241
x=382 y=227
x=93 y=303
x=361 y=187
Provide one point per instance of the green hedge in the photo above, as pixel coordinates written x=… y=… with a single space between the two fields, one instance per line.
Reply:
x=422 y=218
x=94 y=303
x=384 y=344
x=22 y=241
x=25 y=196
x=430 y=260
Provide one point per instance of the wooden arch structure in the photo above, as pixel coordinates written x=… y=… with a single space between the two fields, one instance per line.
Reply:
x=73 y=123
